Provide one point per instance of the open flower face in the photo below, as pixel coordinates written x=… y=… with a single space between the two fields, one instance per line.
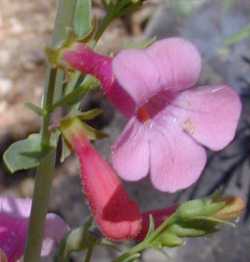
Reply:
x=14 y=215
x=170 y=120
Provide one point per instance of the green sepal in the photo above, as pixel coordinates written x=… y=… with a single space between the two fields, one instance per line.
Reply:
x=184 y=231
x=66 y=151
x=196 y=208
x=71 y=126
x=88 y=115
x=167 y=239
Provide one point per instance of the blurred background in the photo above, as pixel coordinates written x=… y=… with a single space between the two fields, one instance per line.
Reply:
x=221 y=31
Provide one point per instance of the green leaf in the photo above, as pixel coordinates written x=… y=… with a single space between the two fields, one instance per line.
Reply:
x=82 y=18
x=24 y=154
x=34 y=108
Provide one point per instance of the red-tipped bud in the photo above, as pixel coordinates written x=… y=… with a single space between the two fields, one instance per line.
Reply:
x=159 y=216
x=117 y=216
x=82 y=58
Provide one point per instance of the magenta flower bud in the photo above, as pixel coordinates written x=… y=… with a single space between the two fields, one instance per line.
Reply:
x=84 y=59
x=117 y=216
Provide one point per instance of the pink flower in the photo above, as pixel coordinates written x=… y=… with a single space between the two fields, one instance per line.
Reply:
x=170 y=120
x=14 y=216
x=117 y=216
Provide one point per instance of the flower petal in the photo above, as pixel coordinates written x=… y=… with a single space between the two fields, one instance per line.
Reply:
x=137 y=74
x=12 y=235
x=178 y=62
x=130 y=154
x=19 y=207
x=173 y=63
x=55 y=230
x=176 y=160
x=209 y=114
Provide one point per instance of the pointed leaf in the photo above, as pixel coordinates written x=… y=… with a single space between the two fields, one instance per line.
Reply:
x=82 y=18
x=36 y=109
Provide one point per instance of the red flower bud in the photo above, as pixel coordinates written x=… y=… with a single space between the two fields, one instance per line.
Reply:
x=117 y=216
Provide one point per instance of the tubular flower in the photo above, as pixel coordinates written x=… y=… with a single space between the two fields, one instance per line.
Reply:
x=117 y=216
x=170 y=120
x=14 y=216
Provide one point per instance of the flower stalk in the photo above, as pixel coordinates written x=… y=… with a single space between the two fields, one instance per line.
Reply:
x=46 y=169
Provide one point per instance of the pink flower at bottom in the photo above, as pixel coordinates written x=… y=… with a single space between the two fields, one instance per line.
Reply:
x=170 y=119
x=117 y=216
x=14 y=216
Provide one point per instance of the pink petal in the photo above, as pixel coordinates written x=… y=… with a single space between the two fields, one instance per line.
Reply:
x=14 y=218
x=176 y=160
x=178 y=62
x=137 y=74
x=13 y=232
x=130 y=154
x=173 y=63
x=19 y=207
x=209 y=114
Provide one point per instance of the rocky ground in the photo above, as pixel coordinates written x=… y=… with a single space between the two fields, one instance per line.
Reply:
x=25 y=29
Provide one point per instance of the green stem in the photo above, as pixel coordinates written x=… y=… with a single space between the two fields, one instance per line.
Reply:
x=146 y=243
x=89 y=254
x=45 y=171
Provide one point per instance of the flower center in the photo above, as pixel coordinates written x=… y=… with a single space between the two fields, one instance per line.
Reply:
x=142 y=114
x=155 y=105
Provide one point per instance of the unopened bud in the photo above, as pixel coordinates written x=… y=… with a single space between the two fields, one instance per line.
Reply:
x=234 y=207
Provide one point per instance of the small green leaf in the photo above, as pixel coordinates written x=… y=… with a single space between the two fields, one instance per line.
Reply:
x=23 y=154
x=82 y=18
x=34 y=108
